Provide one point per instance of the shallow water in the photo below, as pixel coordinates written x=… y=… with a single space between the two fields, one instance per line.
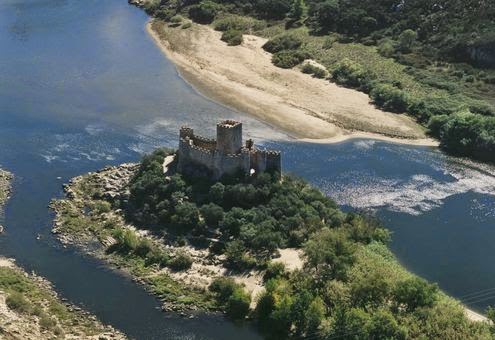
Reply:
x=83 y=86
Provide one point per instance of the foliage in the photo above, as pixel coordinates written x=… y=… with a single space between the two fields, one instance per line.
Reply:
x=204 y=12
x=283 y=42
x=406 y=40
x=390 y=98
x=232 y=37
x=238 y=23
x=298 y=10
x=17 y=302
x=316 y=71
x=415 y=292
x=289 y=59
x=232 y=295
x=466 y=134
x=181 y=261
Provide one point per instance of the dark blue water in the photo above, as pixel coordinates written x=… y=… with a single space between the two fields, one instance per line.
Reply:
x=83 y=86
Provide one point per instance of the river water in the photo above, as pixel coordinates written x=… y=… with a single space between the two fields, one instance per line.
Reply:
x=83 y=86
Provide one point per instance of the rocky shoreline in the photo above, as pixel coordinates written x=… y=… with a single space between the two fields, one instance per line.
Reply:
x=110 y=184
x=39 y=313
x=5 y=186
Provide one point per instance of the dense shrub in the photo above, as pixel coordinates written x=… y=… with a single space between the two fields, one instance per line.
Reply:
x=17 y=302
x=466 y=134
x=414 y=293
x=238 y=23
x=232 y=37
x=316 y=71
x=352 y=74
x=386 y=48
x=238 y=304
x=390 y=98
x=231 y=295
x=283 y=42
x=289 y=59
x=181 y=261
x=204 y=12
x=176 y=19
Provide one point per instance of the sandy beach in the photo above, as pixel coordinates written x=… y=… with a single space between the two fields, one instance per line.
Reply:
x=243 y=78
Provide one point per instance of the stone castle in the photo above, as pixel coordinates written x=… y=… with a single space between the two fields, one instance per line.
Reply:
x=225 y=155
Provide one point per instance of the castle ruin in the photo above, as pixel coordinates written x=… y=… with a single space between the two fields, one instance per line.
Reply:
x=225 y=155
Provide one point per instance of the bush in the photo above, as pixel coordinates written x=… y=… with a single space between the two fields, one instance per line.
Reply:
x=238 y=304
x=352 y=74
x=47 y=322
x=289 y=59
x=415 y=292
x=238 y=23
x=223 y=288
x=274 y=270
x=386 y=48
x=181 y=261
x=204 y=12
x=232 y=296
x=316 y=71
x=282 y=43
x=212 y=213
x=176 y=19
x=186 y=25
x=232 y=37
x=17 y=302
x=390 y=98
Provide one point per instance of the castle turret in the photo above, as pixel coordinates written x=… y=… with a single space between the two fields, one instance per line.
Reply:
x=229 y=137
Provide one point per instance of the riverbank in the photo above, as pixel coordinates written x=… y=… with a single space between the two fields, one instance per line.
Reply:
x=31 y=310
x=244 y=78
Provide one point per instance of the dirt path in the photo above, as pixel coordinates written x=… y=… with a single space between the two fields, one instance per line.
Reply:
x=244 y=78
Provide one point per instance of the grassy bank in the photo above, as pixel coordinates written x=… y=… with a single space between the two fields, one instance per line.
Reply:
x=190 y=239
x=401 y=68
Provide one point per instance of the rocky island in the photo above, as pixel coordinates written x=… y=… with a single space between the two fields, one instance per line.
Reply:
x=254 y=244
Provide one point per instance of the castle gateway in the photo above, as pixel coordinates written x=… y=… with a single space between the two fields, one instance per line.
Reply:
x=226 y=154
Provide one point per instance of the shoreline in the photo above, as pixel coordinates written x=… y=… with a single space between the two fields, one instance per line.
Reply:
x=300 y=123
x=42 y=314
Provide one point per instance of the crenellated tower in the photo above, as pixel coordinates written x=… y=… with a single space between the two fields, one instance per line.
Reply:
x=229 y=137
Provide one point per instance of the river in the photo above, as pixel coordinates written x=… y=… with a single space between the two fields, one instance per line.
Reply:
x=83 y=86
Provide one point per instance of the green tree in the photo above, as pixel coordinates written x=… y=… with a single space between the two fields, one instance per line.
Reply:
x=329 y=253
x=314 y=315
x=407 y=39
x=298 y=10
x=212 y=213
x=415 y=292
x=238 y=304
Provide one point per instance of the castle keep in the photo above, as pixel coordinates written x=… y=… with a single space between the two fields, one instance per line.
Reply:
x=226 y=154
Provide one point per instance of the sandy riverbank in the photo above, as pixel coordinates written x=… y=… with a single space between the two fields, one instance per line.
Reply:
x=243 y=77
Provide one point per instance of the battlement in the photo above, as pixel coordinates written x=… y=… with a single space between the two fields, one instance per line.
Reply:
x=229 y=124
x=268 y=152
x=226 y=154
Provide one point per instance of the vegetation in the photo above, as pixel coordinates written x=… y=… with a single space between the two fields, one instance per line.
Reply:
x=425 y=59
x=32 y=298
x=350 y=282
x=316 y=71
x=232 y=37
